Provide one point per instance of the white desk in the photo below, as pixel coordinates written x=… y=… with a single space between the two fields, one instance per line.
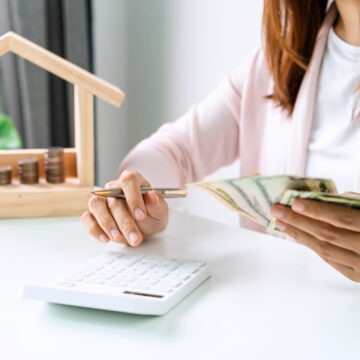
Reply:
x=267 y=299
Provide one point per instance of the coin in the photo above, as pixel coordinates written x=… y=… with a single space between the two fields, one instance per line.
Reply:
x=5 y=175
x=54 y=165
x=28 y=171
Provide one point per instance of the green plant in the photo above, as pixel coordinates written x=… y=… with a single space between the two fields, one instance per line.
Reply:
x=9 y=137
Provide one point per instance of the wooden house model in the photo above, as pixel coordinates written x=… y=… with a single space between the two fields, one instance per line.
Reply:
x=71 y=197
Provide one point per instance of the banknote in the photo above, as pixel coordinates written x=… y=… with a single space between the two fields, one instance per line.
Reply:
x=253 y=196
x=351 y=200
x=289 y=196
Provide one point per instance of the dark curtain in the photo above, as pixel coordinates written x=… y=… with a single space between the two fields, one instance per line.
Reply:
x=41 y=104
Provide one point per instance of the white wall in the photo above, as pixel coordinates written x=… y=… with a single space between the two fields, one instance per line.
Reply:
x=110 y=62
x=166 y=55
x=209 y=38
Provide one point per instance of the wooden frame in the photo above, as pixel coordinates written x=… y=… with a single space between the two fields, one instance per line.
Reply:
x=70 y=198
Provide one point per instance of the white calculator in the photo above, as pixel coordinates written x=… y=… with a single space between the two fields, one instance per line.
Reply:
x=125 y=282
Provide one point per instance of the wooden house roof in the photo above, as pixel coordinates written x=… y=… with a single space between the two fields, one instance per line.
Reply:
x=11 y=42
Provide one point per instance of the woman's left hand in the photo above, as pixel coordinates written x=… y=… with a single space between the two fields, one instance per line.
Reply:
x=332 y=231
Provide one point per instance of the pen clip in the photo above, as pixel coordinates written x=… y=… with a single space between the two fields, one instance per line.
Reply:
x=169 y=193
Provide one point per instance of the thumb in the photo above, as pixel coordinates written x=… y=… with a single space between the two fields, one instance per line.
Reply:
x=156 y=205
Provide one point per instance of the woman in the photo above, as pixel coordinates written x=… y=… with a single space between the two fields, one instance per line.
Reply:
x=292 y=109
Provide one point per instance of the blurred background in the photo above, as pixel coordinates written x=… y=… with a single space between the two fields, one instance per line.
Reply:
x=164 y=54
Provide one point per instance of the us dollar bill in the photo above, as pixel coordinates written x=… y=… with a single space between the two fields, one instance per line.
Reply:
x=253 y=196
x=351 y=200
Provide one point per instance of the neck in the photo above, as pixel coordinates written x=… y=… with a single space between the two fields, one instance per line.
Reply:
x=347 y=27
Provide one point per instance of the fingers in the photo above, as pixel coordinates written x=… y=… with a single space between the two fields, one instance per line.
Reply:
x=131 y=182
x=128 y=220
x=338 y=247
x=318 y=228
x=100 y=223
x=155 y=204
x=337 y=215
x=345 y=261
x=351 y=273
x=111 y=219
x=158 y=213
x=324 y=249
x=125 y=221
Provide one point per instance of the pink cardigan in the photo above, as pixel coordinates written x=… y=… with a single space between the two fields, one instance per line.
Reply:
x=235 y=121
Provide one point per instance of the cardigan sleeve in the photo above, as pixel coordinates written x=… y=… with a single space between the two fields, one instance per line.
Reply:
x=201 y=141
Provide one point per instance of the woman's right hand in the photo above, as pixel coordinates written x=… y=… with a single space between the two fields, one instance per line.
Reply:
x=127 y=221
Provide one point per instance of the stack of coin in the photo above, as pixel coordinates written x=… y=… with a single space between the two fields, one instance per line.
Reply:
x=5 y=175
x=54 y=165
x=28 y=171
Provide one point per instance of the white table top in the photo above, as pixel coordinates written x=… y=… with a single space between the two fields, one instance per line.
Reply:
x=267 y=298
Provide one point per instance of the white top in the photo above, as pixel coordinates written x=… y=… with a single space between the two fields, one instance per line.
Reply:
x=333 y=149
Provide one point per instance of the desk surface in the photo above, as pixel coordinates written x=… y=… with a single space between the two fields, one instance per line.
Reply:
x=267 y=298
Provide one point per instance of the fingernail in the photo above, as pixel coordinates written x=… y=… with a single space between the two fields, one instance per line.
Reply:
x=276 y=212
x=133 y=238
x=298 y=206
x=103 y=238
x=115 y=233
x=139 y=214
x=280 y=225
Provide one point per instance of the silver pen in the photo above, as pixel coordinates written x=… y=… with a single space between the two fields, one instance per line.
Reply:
x=119 y=194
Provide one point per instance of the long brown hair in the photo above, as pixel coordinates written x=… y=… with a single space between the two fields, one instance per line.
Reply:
x=289 y=33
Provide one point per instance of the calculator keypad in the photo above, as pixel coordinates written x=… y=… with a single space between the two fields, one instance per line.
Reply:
x=133 y=274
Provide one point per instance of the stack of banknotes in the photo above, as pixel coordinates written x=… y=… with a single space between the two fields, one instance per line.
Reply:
x=253 y=196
